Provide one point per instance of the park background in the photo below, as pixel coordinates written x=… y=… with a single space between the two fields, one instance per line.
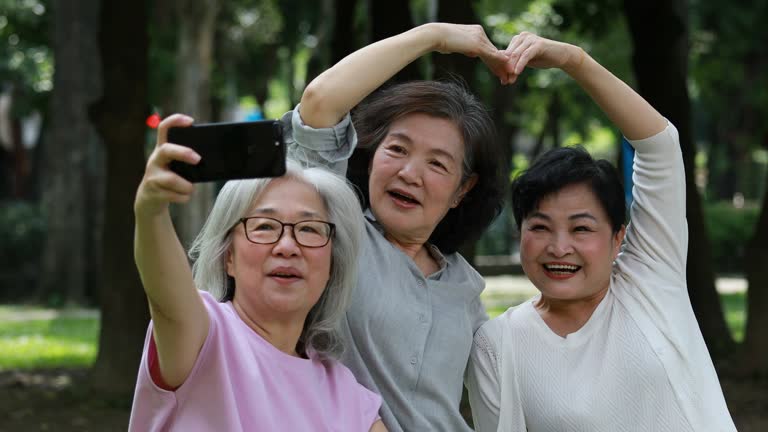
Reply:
x=82 y=81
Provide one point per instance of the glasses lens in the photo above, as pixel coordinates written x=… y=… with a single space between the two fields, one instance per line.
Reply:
x=312 y=233
x=263 y=230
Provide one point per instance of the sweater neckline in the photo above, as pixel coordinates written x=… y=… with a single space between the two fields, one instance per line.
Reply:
x=571 y=340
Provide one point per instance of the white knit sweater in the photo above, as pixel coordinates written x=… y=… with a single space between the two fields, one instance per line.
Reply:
x=639 y=363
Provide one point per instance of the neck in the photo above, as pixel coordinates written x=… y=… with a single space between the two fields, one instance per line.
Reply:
x=568 y=316
x=281 y=333
x=418 y=253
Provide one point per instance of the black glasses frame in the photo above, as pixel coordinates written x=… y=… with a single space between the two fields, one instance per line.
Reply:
x=331 y=231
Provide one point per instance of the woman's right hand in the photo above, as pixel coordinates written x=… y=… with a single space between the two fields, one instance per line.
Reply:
x=160 y=186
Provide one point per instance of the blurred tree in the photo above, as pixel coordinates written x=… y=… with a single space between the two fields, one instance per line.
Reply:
x=26 y=79
x=388 y=18
x=65 y=160
x=196 y=24
x=342 y=42
x=119 y=119
x=246 y=50
x=732 y=78
x=732 y=88
x=456 y=65
x=661 y=66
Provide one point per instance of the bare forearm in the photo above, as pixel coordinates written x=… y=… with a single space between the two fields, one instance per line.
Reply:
x=632 y=114
x=164 y=269
x=334 y=92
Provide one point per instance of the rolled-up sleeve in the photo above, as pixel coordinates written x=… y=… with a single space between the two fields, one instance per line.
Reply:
x=325 y=147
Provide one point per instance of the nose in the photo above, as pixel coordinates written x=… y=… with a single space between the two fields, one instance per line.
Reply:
x=410 y=173
x=286 y=245
x=560 y=245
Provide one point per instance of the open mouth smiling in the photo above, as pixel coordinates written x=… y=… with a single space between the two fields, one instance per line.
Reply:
x=561 y=269
x=403 y=196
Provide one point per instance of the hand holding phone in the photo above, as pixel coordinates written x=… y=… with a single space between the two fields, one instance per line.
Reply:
x=231 y=151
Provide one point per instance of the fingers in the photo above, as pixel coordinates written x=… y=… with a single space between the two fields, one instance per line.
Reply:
x=167 y=152
x=174 y=120
x=521 y=50
x=167 y=186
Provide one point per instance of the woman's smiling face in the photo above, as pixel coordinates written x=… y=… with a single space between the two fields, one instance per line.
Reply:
x=567 y=244
x=416 y=175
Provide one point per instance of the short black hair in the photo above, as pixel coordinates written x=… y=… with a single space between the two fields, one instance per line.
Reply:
x=449 y=100
x=566 y=166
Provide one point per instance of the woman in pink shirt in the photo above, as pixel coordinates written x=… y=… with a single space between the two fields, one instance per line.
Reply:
x=255 y=348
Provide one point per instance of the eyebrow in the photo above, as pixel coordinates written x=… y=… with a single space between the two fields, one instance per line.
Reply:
x=407 y=139
x=540 y=215
x=272 y=212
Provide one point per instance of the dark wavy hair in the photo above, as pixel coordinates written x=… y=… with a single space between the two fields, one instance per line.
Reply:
x=452 y=101
x=561 y=167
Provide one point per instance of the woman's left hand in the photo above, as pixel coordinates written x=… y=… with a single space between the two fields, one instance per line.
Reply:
x=471 y=41
x=529 y=50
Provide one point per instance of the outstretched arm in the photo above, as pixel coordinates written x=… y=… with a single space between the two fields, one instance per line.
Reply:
x=180 y=319
x=635 y=117
x=337 y=90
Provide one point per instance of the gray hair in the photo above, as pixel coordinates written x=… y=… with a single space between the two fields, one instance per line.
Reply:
x=236 y=198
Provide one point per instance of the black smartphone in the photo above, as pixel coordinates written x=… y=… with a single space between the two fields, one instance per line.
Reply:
x=230 y=151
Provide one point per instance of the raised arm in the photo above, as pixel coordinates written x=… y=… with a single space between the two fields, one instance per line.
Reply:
x=635 y=117
x=337 y=90
x=180 y=320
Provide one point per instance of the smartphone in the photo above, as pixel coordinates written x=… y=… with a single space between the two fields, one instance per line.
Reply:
x=230 y=151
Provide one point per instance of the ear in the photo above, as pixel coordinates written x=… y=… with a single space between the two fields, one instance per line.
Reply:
x=464 y=190
x=230 y=263
x=618 y=239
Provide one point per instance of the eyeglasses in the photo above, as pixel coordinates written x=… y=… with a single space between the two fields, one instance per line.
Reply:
x=308 y=233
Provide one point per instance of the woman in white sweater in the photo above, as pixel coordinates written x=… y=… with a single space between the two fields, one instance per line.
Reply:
x=611 y=342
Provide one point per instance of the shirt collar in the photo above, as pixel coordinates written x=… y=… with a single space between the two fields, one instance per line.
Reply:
x=432 y=249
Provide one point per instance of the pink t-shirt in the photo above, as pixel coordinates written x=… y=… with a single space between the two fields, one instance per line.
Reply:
x=240 y=382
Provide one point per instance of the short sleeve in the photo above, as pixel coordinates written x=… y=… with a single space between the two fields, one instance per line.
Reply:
x=324 y=147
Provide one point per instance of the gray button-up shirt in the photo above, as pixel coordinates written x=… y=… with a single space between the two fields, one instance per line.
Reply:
x=407 y=336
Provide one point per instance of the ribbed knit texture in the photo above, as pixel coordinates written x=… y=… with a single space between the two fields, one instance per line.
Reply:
x=639 y=363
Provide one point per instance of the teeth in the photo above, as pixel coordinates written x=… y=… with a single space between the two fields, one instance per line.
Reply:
x=404 y=197
x=561 y=267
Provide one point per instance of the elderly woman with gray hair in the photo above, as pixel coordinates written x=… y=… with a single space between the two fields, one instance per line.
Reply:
x=246 y=339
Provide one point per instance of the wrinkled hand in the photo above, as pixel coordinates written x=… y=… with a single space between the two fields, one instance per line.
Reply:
x=161 y=186
x=529 y=50
x=472 y=41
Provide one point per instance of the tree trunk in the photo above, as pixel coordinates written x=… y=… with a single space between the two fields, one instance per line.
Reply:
x=755 y=348
x=343 y=41
x=660 y=63
x=388 y=18
x=196 y=21
x=455 y=65
x=119 y=119
x=318 y=61
x=64 y=261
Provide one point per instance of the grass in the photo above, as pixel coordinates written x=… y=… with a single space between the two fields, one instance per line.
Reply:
x=48 y=343
x=72 y=341
x=734 y=308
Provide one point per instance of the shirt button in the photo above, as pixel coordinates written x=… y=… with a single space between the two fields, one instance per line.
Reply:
x=420 y=283
x=422 y=318
x=414 y=360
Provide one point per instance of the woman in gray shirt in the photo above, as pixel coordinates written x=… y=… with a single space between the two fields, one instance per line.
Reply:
x=435 y=181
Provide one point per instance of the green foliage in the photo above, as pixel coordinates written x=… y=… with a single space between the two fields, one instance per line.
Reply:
x=25 y=55
x=734 y=309
x=729 y=230
x=22 y=232
x=599 y=28
x=47 y=343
